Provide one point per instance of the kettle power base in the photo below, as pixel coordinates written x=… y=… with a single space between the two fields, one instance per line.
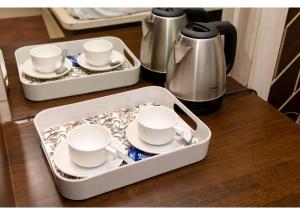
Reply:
x=202 y=108
x=152 y=76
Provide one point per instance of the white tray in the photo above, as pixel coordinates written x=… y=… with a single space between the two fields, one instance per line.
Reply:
x=130 y=173
x=70 y=23
x=68 y=87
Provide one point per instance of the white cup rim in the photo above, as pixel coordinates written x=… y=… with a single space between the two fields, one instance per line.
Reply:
x=160 y=107
x=98 y=51
x=89 y=150
x=57 y=53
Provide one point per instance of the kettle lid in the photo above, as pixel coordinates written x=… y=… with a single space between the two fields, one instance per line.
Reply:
x=168 y=12
x=200 y=30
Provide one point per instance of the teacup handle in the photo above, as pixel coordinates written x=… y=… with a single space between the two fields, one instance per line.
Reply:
x=64 y=53
x=179 y=132
x=118 y=154
x=62 y=67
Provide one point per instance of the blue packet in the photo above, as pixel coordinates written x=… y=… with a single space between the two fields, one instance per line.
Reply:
x=137 y=154
x=73 y=59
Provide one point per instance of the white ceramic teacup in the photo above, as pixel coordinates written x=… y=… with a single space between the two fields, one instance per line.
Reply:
x=158 y=125
x=87 y=145
x=46 y=58
x=98 y=52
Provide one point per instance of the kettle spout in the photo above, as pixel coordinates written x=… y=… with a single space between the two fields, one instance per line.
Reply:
x=180 y=52
x=147 y=24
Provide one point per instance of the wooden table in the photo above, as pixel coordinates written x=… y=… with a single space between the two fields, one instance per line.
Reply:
x=6 y=189
x=21 y=108
x=253 y=160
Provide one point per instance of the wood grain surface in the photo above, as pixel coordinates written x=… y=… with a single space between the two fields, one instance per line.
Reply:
x=6 y=189
x=21 y=108
x=22 y=29
x=253 y=160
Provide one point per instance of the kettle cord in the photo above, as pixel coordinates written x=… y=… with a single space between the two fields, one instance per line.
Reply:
x=233 y=92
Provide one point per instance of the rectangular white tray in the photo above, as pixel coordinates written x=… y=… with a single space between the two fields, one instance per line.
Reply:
x=130 y=173
x=70 y=23
x=68 y=87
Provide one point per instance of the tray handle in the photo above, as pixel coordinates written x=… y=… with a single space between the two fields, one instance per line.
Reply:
x=130 y=56
x=202 y=130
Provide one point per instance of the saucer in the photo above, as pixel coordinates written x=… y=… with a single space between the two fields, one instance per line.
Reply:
x=63 y=162
x=115 y=55
x=136 y=141
x=30 y=71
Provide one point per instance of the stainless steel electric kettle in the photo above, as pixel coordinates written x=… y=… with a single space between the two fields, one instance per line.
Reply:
x=160 y=30
x=199 y=63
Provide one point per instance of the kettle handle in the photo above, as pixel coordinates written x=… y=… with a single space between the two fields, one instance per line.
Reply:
x=196 y=15
x=229 y=31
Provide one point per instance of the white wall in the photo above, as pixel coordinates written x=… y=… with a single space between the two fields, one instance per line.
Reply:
x=259 y=35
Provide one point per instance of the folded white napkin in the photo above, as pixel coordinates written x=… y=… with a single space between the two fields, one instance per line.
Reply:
x=100 y=13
